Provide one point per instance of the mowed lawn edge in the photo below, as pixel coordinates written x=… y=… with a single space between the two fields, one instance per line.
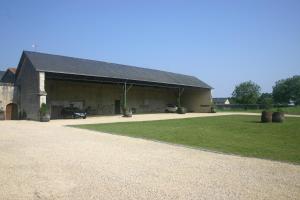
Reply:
x=287 y=110
x=236 y=134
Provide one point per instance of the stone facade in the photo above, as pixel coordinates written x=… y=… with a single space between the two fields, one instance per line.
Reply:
x=32 y=88
x=197 y=99
x=8 y=95
x=100 y=99
x=29 y=92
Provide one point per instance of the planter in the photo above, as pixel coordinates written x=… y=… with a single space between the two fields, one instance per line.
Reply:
x=45 y=118
x=181 y=110
x=266 y=116
x=278 y=117
x=127 y=113
x=212 y=110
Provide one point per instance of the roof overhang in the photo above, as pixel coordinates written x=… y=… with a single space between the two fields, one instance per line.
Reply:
x=109 y=80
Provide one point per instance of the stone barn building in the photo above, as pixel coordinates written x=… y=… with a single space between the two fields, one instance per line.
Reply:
x=8 y=95
x=100 y=88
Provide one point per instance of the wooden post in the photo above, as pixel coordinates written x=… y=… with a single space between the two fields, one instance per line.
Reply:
x=125 y=96
x=125 y=90
x=180 y=92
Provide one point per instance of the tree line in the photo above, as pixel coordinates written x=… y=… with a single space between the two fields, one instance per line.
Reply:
x=284 y=92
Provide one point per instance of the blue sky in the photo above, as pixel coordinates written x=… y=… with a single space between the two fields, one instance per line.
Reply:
x=222 y=42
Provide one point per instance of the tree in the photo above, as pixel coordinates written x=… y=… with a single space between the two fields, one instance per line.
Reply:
x=246 y=93
x=287 y=90
x=266 y=99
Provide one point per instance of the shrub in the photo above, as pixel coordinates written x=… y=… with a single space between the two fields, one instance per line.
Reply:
x=23 y=115
x=279 y=110
x=43 y=109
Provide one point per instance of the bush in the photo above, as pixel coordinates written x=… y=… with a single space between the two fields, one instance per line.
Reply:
x=22 y=114
x=127 y=112
x=266 y=100
x=280 y=110
x=268 y=103
x=44 y=109
x=212 y=109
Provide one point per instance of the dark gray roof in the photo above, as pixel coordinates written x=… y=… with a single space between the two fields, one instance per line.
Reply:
x=77 y=66
x=9 y=76
x=219 y=100
x=1 y=74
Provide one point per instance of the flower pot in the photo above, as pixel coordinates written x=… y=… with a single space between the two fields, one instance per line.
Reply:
x=45 y=118
x=278 y=117
x=212 y=109
x=181 y=110
x=266 y=116
x=127 y=113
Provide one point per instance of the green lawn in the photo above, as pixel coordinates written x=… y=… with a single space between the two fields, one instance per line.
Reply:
x=292 y=110
x=287 y=110
x=242 y=135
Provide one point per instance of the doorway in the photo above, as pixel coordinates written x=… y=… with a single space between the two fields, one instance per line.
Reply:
x=117 y=107
x=11 y=112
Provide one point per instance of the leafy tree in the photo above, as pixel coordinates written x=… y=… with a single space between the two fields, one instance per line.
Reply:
x=246 y=93
x=266 y=99
x=287 y=90
x=232 y=100
x=281 y=93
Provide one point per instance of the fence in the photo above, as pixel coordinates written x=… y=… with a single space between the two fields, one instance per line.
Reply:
x=246 y=106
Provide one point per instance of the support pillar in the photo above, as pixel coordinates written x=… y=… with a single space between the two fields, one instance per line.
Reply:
x=125 y=91
x=42 y=92
x=125 y=96
x=180 y=92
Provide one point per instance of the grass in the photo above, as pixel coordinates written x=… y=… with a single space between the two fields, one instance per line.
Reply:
x=287 y=110
x=292 y=110
x=242 y=135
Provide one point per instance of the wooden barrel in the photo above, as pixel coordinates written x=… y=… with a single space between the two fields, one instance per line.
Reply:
x=278 y=117
x=181 y=110
x=266 y=116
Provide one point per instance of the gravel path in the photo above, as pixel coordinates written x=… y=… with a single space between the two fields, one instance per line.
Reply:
x=50 y=161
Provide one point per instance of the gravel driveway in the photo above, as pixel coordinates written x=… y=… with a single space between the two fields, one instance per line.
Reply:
x=51 y=161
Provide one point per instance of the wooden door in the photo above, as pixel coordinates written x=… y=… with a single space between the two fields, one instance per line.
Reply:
x=117 y=107
x=11 y=112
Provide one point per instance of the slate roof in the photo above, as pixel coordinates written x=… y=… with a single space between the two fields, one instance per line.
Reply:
x=9 y=75
x=77 y=66
x=219 y=100
x=12 y=69
x=1 y=74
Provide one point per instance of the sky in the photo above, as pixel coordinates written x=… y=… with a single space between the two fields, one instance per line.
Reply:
x=222 y=42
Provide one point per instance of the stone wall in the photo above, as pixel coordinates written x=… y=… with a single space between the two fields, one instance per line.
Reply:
x=197 y=99
x=8 y=95
x=99 y=99
x=29 y=94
